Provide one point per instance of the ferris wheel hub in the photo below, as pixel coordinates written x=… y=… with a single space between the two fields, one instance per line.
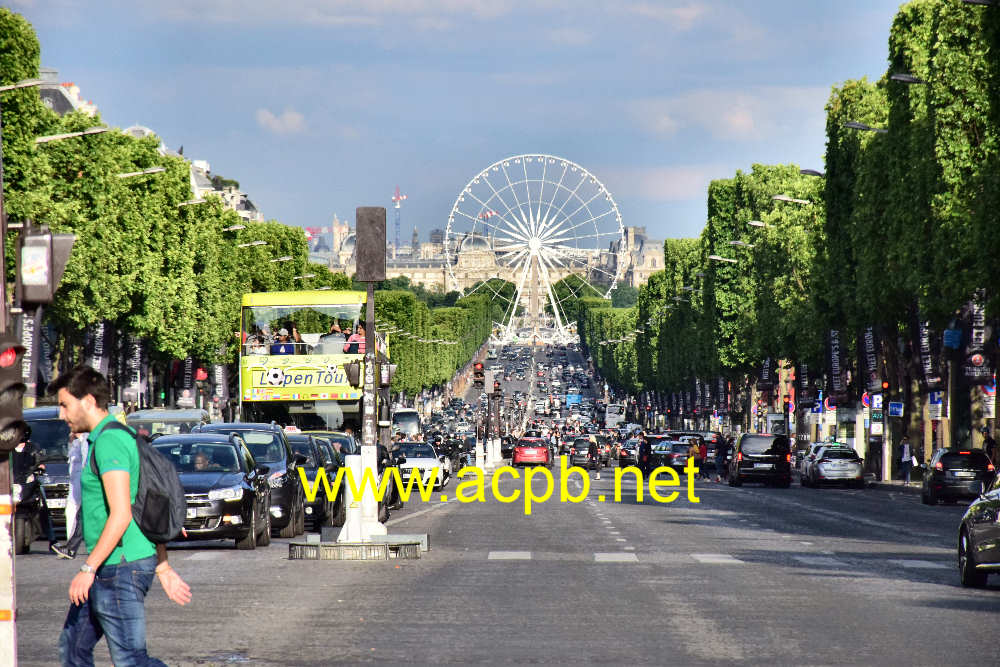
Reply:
x=534 y=244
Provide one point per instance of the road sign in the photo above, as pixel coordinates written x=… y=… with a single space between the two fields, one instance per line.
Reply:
x=866 y=400
x=877 y=416
x=817 y=408
x=935 y=408
x=877 y=401
x=895 y=409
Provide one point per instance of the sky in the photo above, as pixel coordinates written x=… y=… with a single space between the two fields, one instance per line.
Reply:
x=319 y=106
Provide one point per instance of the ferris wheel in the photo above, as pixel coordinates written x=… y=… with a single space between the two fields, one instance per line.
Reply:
x=535 y=233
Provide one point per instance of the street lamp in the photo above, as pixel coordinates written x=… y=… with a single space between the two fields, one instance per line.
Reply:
x=251 y=243
x=804 y=202
x=741 y=244
x=304 y=276
x=144 y=172
x=69 y=135
x=27 y=83
x=854 y=125
x=234 y=228
x=192 y=202
x=811 y=172
x=283 y=258
x=758 y=223
x=717 y=258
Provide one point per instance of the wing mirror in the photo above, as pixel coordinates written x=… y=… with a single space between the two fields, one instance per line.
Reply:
x=263 y=470
x=300 y=459
x=401 y=459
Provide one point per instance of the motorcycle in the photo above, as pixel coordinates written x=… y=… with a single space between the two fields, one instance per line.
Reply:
x=30 y=511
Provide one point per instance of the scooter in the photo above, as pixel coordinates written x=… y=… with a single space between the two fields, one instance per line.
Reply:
x=30 y=512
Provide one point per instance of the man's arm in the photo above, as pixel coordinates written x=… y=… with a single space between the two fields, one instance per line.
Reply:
x=116 y=490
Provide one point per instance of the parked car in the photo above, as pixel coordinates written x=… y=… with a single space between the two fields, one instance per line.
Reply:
x=954 y=474
x=269 y=446
x=227 y=491
x=806 y=460
x=979 y=537
x=836 y=464
x=761 y=457
x=629 y=453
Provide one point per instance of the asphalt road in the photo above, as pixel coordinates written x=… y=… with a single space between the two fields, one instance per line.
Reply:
x=752 y=575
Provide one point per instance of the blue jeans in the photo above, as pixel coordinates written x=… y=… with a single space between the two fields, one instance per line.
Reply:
x=114 y=609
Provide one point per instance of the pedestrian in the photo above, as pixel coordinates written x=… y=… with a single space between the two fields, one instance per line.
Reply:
x=989 y=444
x=78 y=448
x=694 y=453
x=721 y=454
x=905 y=459
x=25 y=462
x=108 y=593
x=356 y=343
x=645 y=454
x=703 y=457
x=594 y=456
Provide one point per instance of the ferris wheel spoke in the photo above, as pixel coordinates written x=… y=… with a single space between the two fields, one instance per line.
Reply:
x=513 y=214
x=552 y=237
x=571 y=195
x=569 y=218
x=555 y=191
x=486 y=207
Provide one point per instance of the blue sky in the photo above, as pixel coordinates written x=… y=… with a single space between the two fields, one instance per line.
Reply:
x=320 y=106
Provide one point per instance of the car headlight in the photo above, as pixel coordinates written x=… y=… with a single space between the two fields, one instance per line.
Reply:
x=17 y=493
x=234 y=493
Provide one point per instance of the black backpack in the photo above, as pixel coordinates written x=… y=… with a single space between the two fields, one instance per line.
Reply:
x=160 y=506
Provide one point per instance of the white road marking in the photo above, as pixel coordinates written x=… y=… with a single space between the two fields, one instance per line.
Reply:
x=808 y=544
x=509 y=555
x=629 y=548
x=620 y=539
x=205 y=555
x=716 y=559
x=617 y=557
x=820 y=561
x=918 y=564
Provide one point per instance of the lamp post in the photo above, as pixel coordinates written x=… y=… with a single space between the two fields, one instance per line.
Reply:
x=717 y=258
x=854 y=125
x=143 y=172
x=70 y=135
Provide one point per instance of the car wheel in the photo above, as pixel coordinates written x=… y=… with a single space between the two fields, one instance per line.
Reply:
x=383 y=513
x=289 y=529
x=22 y=536
x=932 y=498
x=803 y=481
x=265 y=535
x=341 y=514
x=737 y=481
x=784 y=484
x=249 y=541
x=300 y=527
x=967 y=572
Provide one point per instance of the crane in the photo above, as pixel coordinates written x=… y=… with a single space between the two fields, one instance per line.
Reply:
x=397 y=200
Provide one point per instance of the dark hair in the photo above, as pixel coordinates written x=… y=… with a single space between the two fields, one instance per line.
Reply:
x=83 y=380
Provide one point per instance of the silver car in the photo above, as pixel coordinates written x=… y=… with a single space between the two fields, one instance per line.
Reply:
x=837 y=465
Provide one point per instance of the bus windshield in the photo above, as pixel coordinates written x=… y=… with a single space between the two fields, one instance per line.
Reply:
x=311 y=328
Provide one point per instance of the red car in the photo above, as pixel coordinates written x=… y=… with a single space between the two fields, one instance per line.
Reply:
x=531 y=451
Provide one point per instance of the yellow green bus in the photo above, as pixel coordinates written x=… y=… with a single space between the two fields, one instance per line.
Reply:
x=292 y=352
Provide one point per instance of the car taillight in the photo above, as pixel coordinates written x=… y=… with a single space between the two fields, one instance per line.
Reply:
x=572 y=450
x=739 y=457
x=989 y=466
x=788 y=458
x=939 y=466
x=966 y=453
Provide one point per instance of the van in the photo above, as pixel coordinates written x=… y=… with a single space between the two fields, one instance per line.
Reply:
x=406 y=420
x=761 y=457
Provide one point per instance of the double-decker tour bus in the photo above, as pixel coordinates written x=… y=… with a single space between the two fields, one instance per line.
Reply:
x=294 y=347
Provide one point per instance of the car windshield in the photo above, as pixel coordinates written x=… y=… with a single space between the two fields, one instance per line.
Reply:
x=153 y=427
x=416 y=450
x=534 y=442
x=680 y=447
x=264 y=446
x=304 y=447
x=773 y=445
x=839 y=454
x=51 y=436
x=201 y=457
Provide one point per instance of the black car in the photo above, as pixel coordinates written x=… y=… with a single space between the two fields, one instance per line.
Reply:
x=269 y=446
x=956 y=473
x=979 y=537
x=761 y=457
x=321 y=511
x=227 y=493
x=51 y=435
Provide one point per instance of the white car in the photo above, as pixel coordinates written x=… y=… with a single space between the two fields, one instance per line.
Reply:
x=422 y=459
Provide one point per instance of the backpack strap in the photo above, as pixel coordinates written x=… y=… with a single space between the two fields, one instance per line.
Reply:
x=113 y=424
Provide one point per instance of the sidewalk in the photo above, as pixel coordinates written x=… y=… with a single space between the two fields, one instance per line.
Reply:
x=893 y=485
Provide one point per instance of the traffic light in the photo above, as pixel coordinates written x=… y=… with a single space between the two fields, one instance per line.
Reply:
x=885 y=385
x=353 y=371
x=786 y=401
x=478 y=375
x=11 y=393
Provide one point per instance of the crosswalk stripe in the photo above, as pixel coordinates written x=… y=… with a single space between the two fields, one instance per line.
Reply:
x=617 y=557
x=918 y=564
x=820 y=561
x=509 y=555
x=716 y=559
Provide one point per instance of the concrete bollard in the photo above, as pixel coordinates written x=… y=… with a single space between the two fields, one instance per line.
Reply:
x=351 y=530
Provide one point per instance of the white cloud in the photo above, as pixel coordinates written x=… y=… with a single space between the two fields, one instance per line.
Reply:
x=289 y=122
x=570 y=37
x=745 y=114
x=663 y=184
x=681 y=18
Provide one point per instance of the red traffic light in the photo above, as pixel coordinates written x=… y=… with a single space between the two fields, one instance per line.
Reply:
x=885 y=384
x=478 y=366
x=8 y=357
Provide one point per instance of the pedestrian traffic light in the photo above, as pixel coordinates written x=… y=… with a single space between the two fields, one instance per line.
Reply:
x=786 y=401
x=11 y=393
x=353 y=371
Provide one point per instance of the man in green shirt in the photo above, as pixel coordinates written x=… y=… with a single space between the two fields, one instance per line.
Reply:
x=108 y=594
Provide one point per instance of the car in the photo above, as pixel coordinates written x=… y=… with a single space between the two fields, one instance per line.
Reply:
x=979 y=536
x=836 y=464
x=954 y=474
x=761 y=457
x=421 y=459
x=670 y=453
x=809 y=458
x=165 y=421
x=507 y=445
x=227 y=491
x=51 y=435
x=532 y=451
x=578 y=452
x=269 y=446
x=321 y=511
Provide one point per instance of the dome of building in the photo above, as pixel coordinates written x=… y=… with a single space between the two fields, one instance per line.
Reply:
x=347 y=245
x=474 y=243
x=138 y=131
